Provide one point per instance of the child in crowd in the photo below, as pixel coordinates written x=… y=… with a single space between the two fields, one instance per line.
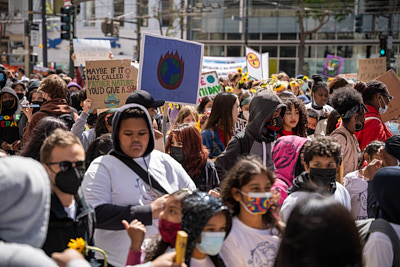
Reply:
x=255 y=229
x=186 y=114
x=322 y=158
x=295 y=119
x=320 y=96
x=312 y=122
x=356 y=183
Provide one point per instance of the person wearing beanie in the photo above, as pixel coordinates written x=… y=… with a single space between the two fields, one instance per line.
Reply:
x=73 y=87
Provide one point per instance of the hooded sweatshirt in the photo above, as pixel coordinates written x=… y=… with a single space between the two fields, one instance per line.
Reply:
x=8 y=122
x=250 y=141
x=285 y=155
x=118 y=193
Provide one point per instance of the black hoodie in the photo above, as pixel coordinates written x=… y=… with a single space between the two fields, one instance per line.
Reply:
x=9 y=131
x=249 y=141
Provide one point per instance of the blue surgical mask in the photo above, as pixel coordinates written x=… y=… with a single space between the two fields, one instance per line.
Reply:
x=315 y=104
x=304 y=87
x=211 y=242
x=393 y=127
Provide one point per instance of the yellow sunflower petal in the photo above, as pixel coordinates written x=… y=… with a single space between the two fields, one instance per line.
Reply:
x=239 y=70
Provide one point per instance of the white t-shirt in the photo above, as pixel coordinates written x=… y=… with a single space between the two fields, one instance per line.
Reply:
x=71 y=210
x=247 y=246
x=341 y=195
x=357 y=187
x=325 y=109
x=378 y=250
x=206 y=262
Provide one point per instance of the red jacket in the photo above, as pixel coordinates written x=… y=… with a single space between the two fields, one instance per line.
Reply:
x=374 y=129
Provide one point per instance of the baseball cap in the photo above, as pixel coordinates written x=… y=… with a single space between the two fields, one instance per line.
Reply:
x=143 y=98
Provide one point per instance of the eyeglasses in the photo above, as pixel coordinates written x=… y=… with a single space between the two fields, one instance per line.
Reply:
x=66 y=165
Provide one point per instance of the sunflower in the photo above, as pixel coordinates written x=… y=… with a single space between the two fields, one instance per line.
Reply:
x=244 y=79
x=78 y=244
x=246 y=74
x=279 y=87
x=239 y=70
x=305 y=78
x=294 y=83
x=228 y=89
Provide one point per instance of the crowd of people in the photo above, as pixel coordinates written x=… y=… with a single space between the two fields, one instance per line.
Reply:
x=280 y=172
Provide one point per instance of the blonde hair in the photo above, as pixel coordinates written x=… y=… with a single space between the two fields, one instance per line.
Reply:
x=183 y=113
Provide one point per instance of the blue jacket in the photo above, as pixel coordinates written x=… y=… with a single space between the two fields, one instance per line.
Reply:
x=213 y=142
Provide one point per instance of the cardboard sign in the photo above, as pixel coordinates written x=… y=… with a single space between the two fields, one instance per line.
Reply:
x=86 y=50
x=109 y=82
x=209 y=85
x=223 y=65
x=393 y=85
x=332 y=66
x=170 y=68
x=257 y=64
x=370 y=68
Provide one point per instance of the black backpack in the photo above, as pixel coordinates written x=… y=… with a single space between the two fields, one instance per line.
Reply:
x=67 y=119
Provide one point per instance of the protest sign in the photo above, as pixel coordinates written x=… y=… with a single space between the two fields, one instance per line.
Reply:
x=257 y=64
x=349 y=76
x=393 y=85
x=86 y=50
x=332 y=66
x=223 y=65
x=170 y=68
x=370 y=68
x=209 y=85
x=109 y=82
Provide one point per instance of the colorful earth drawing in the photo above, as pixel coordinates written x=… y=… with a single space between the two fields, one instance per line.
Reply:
x=170 y=71
x=253 y=60
x=111 y=101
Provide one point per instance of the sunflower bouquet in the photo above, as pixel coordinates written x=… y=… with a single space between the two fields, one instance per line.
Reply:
x=80 y=245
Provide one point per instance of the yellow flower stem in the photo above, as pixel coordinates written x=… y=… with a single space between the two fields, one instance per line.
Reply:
x=99 y=250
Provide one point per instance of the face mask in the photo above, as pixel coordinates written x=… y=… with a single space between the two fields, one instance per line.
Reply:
x=382 y=110
x=70 y=180
x=246 y=115
x=20 y=95
x=304 y=87
x=323 y=177
x=177 y=153
x=359 y=126
x=269 y=132
x=8 y=104
x=168 y=231
x=393 y=127
x=310 y=131
x=275 y=124
x=211 y=242
x=316 y=105
x=257 y=203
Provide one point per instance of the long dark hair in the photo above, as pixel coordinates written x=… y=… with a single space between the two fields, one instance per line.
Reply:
x=318 y=228
x=44 y=128
x=221 y=114
x=101 y=124
x=295 y=103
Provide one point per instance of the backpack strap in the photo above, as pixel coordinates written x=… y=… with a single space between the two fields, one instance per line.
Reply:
x=383 y=226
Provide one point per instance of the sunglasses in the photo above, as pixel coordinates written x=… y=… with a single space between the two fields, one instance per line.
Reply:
x=66 y=165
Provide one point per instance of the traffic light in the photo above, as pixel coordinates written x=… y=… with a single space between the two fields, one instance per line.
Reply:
x=382 y=47
x=358 y=25
x=66 y=23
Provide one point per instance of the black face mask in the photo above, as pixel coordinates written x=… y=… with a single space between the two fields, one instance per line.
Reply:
x=310 y=131
x=20 y=95
x=8 y=104
x=323 y=177
x=177 y=154
x=270 y=131
x=359 y=126
x=70 y=180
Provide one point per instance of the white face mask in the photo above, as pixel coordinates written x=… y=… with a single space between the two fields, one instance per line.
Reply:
x=246 y=114
x=382 y=110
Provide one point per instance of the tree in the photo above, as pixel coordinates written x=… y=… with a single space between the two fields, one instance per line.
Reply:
x=321 y=11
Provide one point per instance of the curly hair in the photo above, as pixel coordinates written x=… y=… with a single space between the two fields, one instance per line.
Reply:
x=54 y=86
x=370 y=89
x=295 y=103
x=344 y=99
x=373 y=147
x=324 y=146
x=240 y=175
x=336 y=83
x=196 y=154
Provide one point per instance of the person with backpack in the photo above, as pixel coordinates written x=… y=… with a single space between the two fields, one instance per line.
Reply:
x=383 y=244
x=265 y=120
x=55 y=92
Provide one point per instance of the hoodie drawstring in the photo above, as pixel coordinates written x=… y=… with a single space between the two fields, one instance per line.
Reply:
x=264 y=154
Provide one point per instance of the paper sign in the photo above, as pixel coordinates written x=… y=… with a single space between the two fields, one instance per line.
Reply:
x=332 y=66
x=110 y=82
x=86 y=50
x=393 y=85
x=257 y=64
x=349 y=76
x=370 y=68
x=170 y=68
x=224 y=65
x=209 y=85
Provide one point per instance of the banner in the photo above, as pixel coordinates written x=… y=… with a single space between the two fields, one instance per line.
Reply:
x=371 y=68
x=332 y=66
x=86 y=50
x=223 y=65
x=349 y=76
x=393 y=85
x=257 y=64
x=170 y=68
x=110 y=82
x=209 y=85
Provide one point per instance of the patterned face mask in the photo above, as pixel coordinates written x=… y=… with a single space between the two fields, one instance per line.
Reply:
x=257 y=203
